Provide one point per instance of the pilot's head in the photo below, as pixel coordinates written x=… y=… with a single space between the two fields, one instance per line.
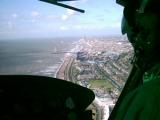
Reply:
x=141 y=22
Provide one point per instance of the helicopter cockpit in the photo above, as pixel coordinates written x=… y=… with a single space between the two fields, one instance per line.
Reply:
x=29 y=97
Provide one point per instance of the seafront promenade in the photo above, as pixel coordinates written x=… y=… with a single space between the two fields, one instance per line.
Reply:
x=63 y=71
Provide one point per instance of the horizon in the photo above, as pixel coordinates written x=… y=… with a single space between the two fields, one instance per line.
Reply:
x=66 y=37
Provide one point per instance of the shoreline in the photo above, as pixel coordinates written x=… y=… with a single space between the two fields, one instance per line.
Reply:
x=60 y=72
x=58 y=68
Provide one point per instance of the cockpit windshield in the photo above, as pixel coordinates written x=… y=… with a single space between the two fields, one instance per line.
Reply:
x=38 y=38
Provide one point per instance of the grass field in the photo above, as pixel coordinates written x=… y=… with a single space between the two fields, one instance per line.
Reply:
x=103 y=84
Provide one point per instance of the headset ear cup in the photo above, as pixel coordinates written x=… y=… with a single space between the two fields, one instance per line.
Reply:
x=128 y=24
x=129 y=15
x=124 y=26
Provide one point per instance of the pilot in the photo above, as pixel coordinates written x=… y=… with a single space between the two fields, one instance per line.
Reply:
x=141 y=23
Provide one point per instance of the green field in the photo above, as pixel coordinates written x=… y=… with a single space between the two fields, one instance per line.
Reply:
x=103 y=84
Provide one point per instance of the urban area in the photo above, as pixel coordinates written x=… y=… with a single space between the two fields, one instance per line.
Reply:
x=102 y=65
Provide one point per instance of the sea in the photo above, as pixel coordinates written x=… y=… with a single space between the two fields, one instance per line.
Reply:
x=33 y=56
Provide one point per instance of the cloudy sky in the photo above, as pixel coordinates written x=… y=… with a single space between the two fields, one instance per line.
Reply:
x=34 y=19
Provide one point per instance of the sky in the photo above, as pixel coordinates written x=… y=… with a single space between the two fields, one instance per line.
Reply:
x=36 y=19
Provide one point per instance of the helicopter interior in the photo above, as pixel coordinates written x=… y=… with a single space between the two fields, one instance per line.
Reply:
x=35 y=97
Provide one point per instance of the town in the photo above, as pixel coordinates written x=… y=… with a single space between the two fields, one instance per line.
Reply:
x=101 y=65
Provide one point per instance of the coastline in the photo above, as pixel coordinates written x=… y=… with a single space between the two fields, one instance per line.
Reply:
x=58 y=68
x=68 y=57
x=60 y=73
